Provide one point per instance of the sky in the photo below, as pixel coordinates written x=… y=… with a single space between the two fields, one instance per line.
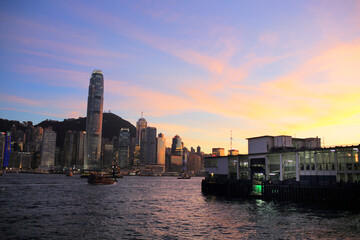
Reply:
x=199 y=69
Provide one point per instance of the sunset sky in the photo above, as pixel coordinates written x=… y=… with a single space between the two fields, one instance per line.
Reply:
x=199 y=69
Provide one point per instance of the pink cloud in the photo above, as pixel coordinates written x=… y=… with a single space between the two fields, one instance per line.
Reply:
x=57 y=77
x=20 y=100
x=40 y=113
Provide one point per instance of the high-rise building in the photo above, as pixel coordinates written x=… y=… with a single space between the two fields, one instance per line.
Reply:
x=2 y=148
x=47 y=158
x=198 y=150
x=148 y=146
x=80 y=149
x=7 y=149
x=140 y=125
x=194 y=163
x=69 y=149
x=124 y=148
x=218 y=152
x=108 y=155
x=161 y=144
x=94 y=121
x=74 y=149
x=176 y=147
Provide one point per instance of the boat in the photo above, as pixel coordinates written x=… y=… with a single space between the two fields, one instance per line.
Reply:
x=184 y=176
x=85 y=174
x=69 y=174
x=98 y=178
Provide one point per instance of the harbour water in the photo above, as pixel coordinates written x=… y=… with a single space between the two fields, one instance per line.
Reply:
x=59 y=207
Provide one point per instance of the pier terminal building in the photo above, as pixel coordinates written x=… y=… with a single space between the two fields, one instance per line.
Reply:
x=279 y=159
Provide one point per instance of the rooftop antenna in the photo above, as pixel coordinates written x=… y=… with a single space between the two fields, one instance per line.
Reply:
x=142 y=114
x=231 y=138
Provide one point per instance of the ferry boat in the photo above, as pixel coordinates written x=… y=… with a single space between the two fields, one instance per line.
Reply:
x=98 y=178
x=184 y=176
x=85 y=174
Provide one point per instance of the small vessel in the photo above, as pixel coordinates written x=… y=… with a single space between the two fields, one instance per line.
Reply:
x=98 y=178
x=85 y=174
x=184 y=176
x=69 y=174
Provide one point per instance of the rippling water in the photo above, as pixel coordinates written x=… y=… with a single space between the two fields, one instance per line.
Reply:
x=60 y=207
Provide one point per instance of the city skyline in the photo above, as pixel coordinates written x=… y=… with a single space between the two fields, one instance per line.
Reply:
x=199 y=70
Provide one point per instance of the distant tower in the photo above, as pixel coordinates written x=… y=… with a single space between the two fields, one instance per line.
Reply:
x=176 y=147
x=47 y=155
x=161 y=144
x=148 y=146
x=140 y=124
x=124 y=148
x=198 y=150
x=94 y=121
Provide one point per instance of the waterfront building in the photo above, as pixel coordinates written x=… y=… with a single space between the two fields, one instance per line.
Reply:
x=124 y=148
x=80 y=149
x=176 y=163
x=108 y=155
x=198 y=150
x=218 y=152
x=2 y=148
x=185 y=158
x=20 y=160
x=233 y=152
x=176 y=146
x=140 y=125
x=167 y=159
x=74 y=147
x=69 y=150
x=148 y=146
x=279 y=159
x=7 y=149
x=47 y=158
x=194 y=163
x=161 y=144
x=94 y=121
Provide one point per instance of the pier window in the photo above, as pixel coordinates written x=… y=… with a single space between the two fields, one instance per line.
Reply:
x=312 y=160
x=332 y=159
x=274 y=167
x=302 y=162
x=289 y=163
x=244 y=167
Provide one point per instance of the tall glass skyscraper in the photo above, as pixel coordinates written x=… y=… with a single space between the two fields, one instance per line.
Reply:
x=140 y=125
x=94 y=121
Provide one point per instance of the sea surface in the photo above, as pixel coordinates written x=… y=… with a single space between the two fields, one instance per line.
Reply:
x=59 y=207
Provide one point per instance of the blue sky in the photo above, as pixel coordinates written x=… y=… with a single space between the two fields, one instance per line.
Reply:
x=199 y=69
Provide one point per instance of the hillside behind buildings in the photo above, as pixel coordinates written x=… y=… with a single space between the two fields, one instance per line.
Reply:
x=111 y=126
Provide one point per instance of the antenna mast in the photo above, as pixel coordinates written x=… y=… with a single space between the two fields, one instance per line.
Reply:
x=231 y=138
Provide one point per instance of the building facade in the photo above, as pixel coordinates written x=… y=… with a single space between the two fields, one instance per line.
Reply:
x=47 y=157
x=278 y=159
x=176 y=146
x=140 y=125
x=94 y=121
x=124 y=148
x=148 y=146
x=161 y=144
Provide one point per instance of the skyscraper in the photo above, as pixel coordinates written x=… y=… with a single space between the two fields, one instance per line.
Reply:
x=161 y=143
x=148 y=146
x=94 y=121
x=176 y=147
x=124 y=148
x=140 y=124
x=48 y=150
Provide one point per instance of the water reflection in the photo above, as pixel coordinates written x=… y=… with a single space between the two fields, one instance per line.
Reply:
x=59 y=207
